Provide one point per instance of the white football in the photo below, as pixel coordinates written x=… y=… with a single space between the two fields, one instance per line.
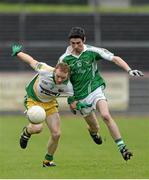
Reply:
x=36 y=114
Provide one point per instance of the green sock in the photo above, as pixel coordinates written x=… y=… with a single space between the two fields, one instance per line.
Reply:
x=120 y=143
x=49 y=157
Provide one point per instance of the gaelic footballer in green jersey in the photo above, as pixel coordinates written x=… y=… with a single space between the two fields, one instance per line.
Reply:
x=88 y=84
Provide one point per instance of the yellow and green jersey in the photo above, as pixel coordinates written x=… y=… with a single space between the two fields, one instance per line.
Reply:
x=43 y=87
x=85 y=76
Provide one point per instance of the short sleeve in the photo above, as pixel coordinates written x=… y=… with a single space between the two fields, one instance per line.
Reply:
x=40 y=66
x=101 y=53
x=105 y=54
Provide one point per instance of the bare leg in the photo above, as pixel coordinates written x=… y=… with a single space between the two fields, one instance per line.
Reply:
x=53 y=123
x=93 y=127
x=34 y=128
x=102 y=107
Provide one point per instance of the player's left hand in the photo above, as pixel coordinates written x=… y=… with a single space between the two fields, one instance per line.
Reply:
x=135 y=73
x=80 y=105
x=16 y=49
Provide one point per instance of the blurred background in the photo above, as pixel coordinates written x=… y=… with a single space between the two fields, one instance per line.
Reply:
x=42 y=27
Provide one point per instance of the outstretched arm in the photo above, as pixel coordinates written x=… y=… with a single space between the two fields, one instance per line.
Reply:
x=17 y=51
x=120 y=62
x=27 y=59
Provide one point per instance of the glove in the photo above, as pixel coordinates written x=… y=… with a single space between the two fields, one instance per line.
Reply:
x=135 y=73
x=16 y=49
x=80 y=105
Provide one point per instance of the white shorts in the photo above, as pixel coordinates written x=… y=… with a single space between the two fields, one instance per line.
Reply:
x=92 y=98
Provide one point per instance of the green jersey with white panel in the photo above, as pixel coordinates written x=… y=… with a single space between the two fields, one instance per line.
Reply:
x=85 y=76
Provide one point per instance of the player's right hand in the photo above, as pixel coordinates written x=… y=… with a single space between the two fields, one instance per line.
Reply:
x=16 y=49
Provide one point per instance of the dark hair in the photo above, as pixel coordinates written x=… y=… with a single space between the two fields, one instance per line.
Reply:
x=77 y=32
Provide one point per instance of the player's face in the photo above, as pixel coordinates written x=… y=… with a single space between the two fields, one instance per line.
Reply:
x=77 y=45
x=60 y=76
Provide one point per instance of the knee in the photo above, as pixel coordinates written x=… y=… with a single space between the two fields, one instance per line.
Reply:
x=39 y=129
x=35 y=128
x=106 y=117
x=56 y=135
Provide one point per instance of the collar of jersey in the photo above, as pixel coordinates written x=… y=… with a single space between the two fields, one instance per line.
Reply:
x=69 y=50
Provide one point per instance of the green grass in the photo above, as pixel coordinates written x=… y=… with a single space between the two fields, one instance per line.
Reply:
x=48 y=8
x=77 y=156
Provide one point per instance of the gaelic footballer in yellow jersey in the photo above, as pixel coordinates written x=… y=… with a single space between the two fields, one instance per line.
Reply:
x=42 y=92
x=49 y=83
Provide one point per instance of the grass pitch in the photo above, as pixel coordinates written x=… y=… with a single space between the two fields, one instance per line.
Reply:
x=77 y=156
x=64 y=8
